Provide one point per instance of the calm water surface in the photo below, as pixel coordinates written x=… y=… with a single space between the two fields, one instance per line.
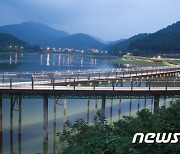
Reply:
x=31 y=138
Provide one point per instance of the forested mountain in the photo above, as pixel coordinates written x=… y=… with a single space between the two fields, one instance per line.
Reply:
x=45 y=36
x=34 y=33
x=78 y=41
x=7 y=41
x=10 y=43
x=166 y=40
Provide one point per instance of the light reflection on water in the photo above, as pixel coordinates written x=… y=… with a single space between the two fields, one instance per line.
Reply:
x=50 y=62
x=31 y=138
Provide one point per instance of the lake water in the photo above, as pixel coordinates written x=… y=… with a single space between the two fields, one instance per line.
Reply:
x=31 y=138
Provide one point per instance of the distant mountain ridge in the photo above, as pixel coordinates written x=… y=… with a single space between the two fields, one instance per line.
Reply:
x=78 y=41
x=166 y=40
x=34 y=33
x=45 y=36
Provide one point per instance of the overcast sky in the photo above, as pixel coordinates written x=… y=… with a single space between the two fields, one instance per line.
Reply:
x=106 y=19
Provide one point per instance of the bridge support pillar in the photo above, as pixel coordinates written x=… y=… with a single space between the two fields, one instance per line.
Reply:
x=130 y=106
x=0 y=114
x=119 y=112
x=1 y=139
x=96 y=106
x=64 y=117
x=103 y=106
x=45 y=124
x=11 y=125
x=88 y=105
x=111 y=111
x=19 y=127
x=156 y=103
x=54 y=127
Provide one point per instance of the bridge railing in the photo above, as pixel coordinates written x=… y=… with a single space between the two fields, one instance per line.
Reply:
x=93 y=84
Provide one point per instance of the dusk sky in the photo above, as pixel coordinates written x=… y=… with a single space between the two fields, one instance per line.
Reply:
x=106 y=19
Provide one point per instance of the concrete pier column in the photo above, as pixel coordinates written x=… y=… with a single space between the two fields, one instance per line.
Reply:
x=11 y=125
x=96 y=106
x=19 y=124
x=1 y=114
x=54 y=127
x=45 y=124
x=88 y=105
x=119 y=112
x=1 y=138
x=20 y=115
x=111 y=111
x=64 y=114
x=156 y=103
x=103 y=105
x=130 y=106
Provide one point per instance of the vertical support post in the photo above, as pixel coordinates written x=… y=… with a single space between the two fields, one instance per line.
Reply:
x=53 y=82
x=19 y=127
x=166 y=83
x=103 y=105
x=96 y=106
x=20 y=115
x=156 y=104
x=111 y=111
x=119 y=112
x=99 y=75
x=88 y=105
x=32 y=83
x=149 y=85
x=122 y=82
x=131 y=84
x=10 y=83
x=130 y=106
x=11 y=125
x=123 y=74
x=1 y=113
x=94 y=85
x=74 y=84
x=54 y=130
x=45 y=123
x=1 y=138
x=64 y=117
x=113 y=84
x=116 y=74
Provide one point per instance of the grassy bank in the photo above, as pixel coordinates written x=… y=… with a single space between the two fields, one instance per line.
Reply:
x=140 y=62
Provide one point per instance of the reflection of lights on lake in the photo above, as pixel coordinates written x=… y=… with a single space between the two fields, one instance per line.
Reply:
x=54 y=60
x=82 y=62
x=41 y=59
x=59 y=60
x=16 y=57
x=10 y=59
x=47 y=60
